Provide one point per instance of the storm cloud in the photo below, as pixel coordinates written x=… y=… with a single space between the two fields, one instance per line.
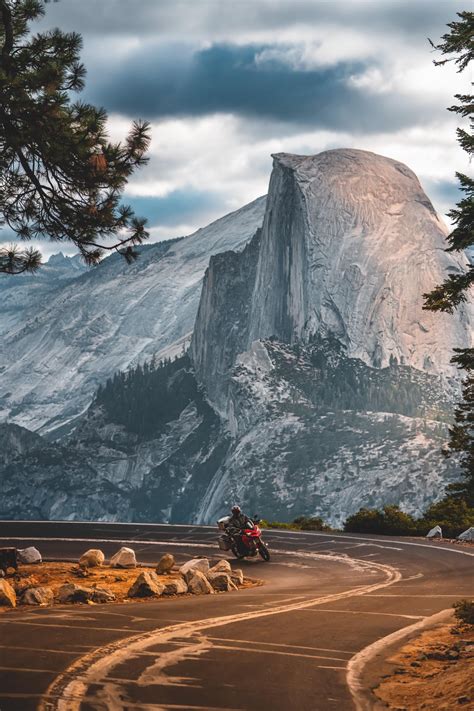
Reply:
x=252 y=82
x=225 y=84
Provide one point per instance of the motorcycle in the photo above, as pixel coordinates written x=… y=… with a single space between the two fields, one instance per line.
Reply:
x=244 y=544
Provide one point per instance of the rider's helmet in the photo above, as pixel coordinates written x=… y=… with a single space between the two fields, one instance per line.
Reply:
x=236 y=510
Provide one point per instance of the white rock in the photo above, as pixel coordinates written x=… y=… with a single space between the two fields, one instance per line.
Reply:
x=467 y=535
x=92 y=558
x=37 y=596
x=124 y=558
x=201 y=564
x=198 y=584
x=29 y=555
x=435 y=532
x=178 y=586
x=223 y=566
x=237 y=576
x=146 y=585
x=221 y=581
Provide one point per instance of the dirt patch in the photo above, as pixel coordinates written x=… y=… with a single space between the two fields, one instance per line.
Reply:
x=117 y=580
x=434 y=671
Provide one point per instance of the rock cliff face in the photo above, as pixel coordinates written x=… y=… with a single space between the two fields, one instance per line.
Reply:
x=349 y=245
x=67 y=330
x=317 y=384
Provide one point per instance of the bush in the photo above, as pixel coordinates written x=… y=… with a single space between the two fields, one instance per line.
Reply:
x=464 y=611
x=302 y=523
x=314 y=523
x=390 y=521
x=451 y=513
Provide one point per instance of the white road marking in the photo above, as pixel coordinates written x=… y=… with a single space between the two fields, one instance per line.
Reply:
x=252 y=650
x=364 y=612
x=67 y=691
x=279 y=644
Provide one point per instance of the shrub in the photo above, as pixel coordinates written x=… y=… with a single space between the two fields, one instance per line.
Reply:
x=451 y=513
x=390 y=521
x=302 y=523
x=311 y=523
x=464 y=611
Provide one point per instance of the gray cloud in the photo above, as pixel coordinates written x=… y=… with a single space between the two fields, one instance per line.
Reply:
x=165 y=82
x=208 y=18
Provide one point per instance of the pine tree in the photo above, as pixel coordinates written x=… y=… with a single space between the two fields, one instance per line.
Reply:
x=458 y=46
x=60 y=176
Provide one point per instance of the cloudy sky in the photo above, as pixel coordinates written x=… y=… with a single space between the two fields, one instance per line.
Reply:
x=225 y=83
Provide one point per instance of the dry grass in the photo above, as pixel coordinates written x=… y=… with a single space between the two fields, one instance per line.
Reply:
x=422 y=681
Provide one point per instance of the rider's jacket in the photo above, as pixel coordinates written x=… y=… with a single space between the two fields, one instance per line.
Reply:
x=239 y=521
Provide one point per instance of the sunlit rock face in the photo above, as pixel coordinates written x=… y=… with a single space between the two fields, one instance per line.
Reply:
x=65 y=331
x=349 y=245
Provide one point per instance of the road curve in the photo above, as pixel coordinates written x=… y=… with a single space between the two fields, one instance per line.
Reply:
x=285 y=645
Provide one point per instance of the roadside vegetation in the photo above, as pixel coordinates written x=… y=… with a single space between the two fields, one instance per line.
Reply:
x=302 y=523
x=451 y=513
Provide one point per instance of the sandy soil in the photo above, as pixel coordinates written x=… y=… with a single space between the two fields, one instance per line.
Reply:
x=117 y=580
x=434 y=672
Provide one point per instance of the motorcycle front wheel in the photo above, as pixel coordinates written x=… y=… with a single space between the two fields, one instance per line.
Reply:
x=264 y=552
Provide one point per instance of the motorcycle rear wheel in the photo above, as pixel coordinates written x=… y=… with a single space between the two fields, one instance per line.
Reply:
x=237 y=553
x=264 y=552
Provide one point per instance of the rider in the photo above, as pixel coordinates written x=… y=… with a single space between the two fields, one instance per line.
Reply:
x=239 y=520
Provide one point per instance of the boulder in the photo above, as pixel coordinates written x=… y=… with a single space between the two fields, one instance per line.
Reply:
x=37 y=596
x=435 y=532
x=70 y=592
x=198 y=584
x=223 y=566
x=92 y=558
x=467 y=535
x=200 y=564
x=221 y=581
x=102 y=595
x=124 y=558
x=7 y=594
x=165 y=564
x=29 y=555
x=237 y=576
x=146 y=585
x=177 y=586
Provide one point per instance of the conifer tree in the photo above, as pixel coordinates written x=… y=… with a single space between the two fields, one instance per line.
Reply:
x=458 y=46
x=60 y=176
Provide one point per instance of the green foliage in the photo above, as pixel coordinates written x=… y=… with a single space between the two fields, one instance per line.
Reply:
x=452 y=514
x=145 y=398
x=464 y=611
x=311 y=523
x=60 y=176
x=457 y=46
x=302 y=523
x=390 y=521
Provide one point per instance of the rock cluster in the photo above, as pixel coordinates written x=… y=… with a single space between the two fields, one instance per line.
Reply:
x=196 y=576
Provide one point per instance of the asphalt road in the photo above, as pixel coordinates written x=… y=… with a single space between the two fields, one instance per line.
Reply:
x=284 y=646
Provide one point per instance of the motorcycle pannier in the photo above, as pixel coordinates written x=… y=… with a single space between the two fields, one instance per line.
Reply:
x=223 y=542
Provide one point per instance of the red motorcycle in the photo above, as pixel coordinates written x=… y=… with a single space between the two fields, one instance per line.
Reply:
x=244 y=544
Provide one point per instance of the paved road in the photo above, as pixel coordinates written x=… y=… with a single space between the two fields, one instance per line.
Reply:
x=284 y=646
